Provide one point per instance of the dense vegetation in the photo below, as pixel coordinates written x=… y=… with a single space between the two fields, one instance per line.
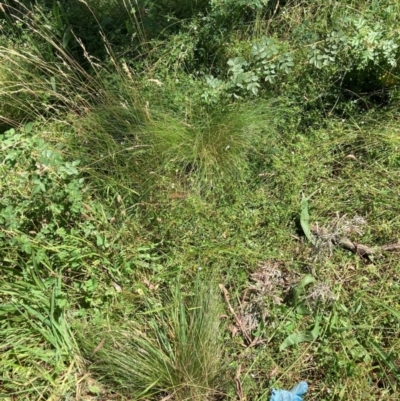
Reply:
x=199 y=199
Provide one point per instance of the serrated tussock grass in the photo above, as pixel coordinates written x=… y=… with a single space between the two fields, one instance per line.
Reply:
x=150 y=150
x=171 y=348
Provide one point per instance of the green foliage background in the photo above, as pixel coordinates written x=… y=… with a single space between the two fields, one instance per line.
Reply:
x=166 y=171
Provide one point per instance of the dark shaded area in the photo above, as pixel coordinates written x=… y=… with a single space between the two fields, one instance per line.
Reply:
x=126 y=29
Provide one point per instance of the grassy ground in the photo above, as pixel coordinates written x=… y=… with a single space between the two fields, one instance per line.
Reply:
x=165 y=239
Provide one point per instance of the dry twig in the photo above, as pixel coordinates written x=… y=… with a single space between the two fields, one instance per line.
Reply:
x=238 y=321
x=344 y=242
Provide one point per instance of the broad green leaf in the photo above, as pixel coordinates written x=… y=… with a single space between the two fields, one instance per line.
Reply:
x=300 y=288
x=66 y=37
x=357 y=350
x=56 y=13
x=28 y=127
x=38 y=187
x=53 y=84
x=303 y=336
x=305 y=219
x=50 y=158
x=99 y=240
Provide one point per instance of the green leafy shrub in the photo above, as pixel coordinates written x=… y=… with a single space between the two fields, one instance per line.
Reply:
x=339 y=55
x=45 y=195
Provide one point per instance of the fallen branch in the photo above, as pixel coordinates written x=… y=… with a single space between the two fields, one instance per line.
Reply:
x=359 y=249
x=238 y=321
x=391 y=247
x=364 y=250
x=249 y=343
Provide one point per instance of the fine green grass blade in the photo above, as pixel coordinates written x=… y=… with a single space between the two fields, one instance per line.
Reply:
x=394 y=312
x=385 y=359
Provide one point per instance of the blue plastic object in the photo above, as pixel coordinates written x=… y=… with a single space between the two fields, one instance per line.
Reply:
x=295 y=394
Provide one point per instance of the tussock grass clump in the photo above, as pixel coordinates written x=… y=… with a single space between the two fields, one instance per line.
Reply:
x=215 y=146
x=173 y=348
x=149 y=150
